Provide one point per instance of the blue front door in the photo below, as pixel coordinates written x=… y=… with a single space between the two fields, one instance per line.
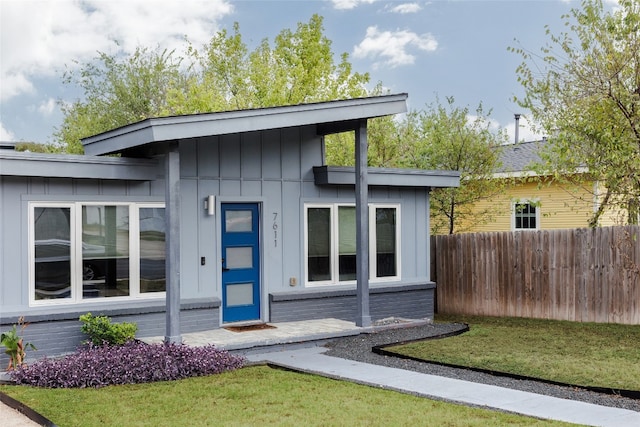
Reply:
x=240 y=262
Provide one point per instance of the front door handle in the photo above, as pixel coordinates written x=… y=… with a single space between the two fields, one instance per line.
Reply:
x=223 y=267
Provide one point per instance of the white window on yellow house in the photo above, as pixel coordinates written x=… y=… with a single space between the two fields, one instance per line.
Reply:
x=526 y=215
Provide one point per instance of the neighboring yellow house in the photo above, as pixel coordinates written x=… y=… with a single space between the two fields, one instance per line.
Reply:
x=536 y=202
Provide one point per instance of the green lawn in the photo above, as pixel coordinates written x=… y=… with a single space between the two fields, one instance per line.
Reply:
x=252 y=396
x=587 y=354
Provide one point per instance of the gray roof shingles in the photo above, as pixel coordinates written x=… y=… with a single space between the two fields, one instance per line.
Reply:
x=520 y=157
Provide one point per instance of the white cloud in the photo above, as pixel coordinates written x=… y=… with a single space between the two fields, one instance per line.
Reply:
x=392 y=47
x=406 y=8
x=47 y=107
x=526 y=131
x=40 y=38
x=349 y=4
x=5 y=134
x=14 y=84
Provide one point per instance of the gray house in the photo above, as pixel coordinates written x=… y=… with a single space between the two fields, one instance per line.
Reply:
x=213 y=219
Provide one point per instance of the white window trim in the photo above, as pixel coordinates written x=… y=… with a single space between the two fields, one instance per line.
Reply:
x=334 y=246
x=535 y=202
x=75 y=228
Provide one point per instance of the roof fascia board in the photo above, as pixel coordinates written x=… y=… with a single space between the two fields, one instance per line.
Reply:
x=200 y=125
x=339 y=175
x=59 y=166
x=531 y=173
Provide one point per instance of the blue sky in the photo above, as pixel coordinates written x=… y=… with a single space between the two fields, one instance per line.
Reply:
x=428 y=49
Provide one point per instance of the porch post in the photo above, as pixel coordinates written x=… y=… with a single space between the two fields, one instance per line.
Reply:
x=172 y=225
x=362 y=227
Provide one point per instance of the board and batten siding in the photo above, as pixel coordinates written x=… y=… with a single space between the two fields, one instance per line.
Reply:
x=275 y=168
x=15 y=195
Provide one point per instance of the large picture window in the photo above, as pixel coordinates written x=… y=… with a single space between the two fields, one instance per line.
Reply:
x=330 y=246
x=82 y=251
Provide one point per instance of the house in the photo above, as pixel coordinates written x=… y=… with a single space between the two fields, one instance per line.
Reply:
x=206 y=220
x=532 y=201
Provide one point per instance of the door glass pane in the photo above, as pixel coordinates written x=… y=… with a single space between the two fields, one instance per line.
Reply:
x=239 y=294
x=240 y=257
x=152 y=250
x=347 y=242
x=105 y=251
x=385 y=242
x=52 y=240
x=318 y=244
x=238 y=221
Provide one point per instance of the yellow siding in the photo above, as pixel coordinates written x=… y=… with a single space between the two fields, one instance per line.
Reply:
x=559 y=207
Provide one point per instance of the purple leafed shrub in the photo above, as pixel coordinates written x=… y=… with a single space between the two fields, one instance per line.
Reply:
x=130 y=363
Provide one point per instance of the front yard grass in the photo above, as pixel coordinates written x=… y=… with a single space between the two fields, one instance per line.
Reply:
x=586 y=354
x=252 y=396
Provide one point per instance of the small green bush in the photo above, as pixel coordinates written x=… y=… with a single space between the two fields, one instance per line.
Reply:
x=101 y=331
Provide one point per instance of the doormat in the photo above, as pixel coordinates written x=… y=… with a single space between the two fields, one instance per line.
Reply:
x=248 y=328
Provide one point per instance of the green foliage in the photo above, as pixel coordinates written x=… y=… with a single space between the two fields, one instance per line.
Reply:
x=583 y=89
x=224 y=75
x=117 y=91
x=101 y=331
x=447 y=137
x=35 y=147
x=14 y=344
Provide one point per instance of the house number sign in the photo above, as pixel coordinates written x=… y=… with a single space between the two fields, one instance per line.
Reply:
x=275 y=230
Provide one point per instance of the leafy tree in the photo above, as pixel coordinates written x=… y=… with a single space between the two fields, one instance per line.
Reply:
x=446 y=137
x=224 y=75
x=117 y=91
x=584 y=90
x=384 y=136
x=299 y=68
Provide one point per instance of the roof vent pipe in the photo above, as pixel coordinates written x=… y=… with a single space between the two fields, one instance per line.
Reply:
x=517 y=116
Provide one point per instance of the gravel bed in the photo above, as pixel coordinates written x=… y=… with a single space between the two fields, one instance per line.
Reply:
x=359 y=348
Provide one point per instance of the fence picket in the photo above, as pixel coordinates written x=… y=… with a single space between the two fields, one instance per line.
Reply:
x=578 y=274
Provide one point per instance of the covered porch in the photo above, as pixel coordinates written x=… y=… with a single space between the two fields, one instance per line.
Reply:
x=258 y=337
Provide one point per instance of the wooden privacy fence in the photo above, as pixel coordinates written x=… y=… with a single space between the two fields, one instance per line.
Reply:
x=587 y=275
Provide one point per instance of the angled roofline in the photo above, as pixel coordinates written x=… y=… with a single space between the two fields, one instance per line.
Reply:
x=199 y=125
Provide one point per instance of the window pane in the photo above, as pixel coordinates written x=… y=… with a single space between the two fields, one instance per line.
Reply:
x=152 y=250
x=239 y=257
x=238 y=221
x=319 y=244
x=52 y=240
x=105 y=251
x=347 y=242
x=525 y=216
x=239 y=294
x=385 y=242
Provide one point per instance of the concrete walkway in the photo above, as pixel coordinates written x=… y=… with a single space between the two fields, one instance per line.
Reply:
x=312 y=360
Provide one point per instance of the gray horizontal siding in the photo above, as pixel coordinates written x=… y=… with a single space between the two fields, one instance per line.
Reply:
x=411 y=302
x=57 y=337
